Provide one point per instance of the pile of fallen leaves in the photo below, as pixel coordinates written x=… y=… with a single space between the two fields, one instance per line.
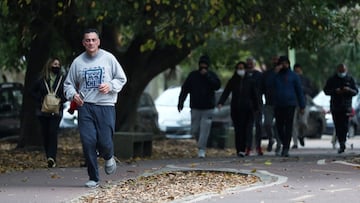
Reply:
x=170 y=186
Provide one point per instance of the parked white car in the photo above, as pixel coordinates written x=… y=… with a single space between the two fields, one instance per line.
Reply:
x=171 y=122
x=178 y=125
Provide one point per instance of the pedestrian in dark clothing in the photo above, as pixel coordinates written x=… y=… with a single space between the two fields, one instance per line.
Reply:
x=341 y=88
x=201 y=84
x=52 y=76
x=268 y=108
x=244 y=103
x=288 y=95
x=257 y=76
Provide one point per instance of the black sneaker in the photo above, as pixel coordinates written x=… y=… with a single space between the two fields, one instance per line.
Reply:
x=285 y=153
x=270 y=145
x=301 y=140
x=342 y=148
x=241 y=154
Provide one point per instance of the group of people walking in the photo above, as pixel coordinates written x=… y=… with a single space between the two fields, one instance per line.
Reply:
x=283 y=111
x=95 y=78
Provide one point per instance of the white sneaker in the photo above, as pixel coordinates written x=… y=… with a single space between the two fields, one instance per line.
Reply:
x=51 y=163
x=201 y=153
x=110 y=166
x=92 y=184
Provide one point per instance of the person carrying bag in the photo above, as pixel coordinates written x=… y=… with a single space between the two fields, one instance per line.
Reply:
x=51 y=103
x=47 y=92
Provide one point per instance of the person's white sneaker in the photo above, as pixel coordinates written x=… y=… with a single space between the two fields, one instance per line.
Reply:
x=92 y=184
x=51 y=163
x=110 y=166
x=201 y=153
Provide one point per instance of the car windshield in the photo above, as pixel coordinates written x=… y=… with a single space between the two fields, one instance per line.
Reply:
x=170 y=97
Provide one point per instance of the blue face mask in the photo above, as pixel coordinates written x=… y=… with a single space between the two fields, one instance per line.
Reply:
x=341 y=75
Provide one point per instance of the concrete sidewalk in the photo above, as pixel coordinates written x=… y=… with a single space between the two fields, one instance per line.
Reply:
x=314 y=173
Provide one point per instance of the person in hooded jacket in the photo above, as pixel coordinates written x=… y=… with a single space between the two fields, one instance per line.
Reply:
x=201 y=84
x=288 y=94
x=244 y=103
x=51 y=74
x=341 y=88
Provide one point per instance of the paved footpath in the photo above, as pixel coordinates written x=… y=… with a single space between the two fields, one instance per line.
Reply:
x=314 y=173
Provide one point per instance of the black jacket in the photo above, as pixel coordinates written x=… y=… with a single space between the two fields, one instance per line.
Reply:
x=201 y=89
x=39 y=91
x=340 y=101
x=267 y=86
x=244 y=92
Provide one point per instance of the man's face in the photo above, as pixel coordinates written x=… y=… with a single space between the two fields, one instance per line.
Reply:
x=274 y=60
x=285 y=64
x=250 y=64
x=298 y=70
x=342 y=69
x=203 y=67
x=91 y=42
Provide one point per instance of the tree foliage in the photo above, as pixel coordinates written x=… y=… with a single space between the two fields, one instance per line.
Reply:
x=151 y=36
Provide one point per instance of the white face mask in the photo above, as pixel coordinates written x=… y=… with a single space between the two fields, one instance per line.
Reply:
x=341 y=75
x=240 y=72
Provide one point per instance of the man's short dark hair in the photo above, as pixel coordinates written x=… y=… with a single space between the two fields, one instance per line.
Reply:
x=89 y=30
x=297 y=65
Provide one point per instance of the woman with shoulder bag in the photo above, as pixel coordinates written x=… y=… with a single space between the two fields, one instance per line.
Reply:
x=48 y=94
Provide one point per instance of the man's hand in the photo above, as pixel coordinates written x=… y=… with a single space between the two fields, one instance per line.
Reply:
x=346 y=89
x=180 y=107
x=302 y=111
x=104 y=88
x=78 y=100
x=203 y=71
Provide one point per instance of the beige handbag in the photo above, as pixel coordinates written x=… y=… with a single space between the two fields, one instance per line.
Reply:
x=51 y=103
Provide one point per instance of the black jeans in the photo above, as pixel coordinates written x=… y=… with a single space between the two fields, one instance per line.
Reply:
x=243 y=122
x=341 y=123
x=284 y=117
x=50 y=129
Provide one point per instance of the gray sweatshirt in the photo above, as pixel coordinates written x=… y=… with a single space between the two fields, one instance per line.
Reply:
x=87 y=73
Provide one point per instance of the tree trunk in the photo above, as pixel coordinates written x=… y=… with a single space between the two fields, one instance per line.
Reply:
x=30 y=134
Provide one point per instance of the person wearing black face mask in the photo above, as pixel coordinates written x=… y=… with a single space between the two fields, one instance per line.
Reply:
x=341 y=88
x=201 y=84
x=51 y=75
x=55 y=69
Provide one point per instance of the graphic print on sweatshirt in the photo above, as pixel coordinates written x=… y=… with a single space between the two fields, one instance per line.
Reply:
x=94 y=77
